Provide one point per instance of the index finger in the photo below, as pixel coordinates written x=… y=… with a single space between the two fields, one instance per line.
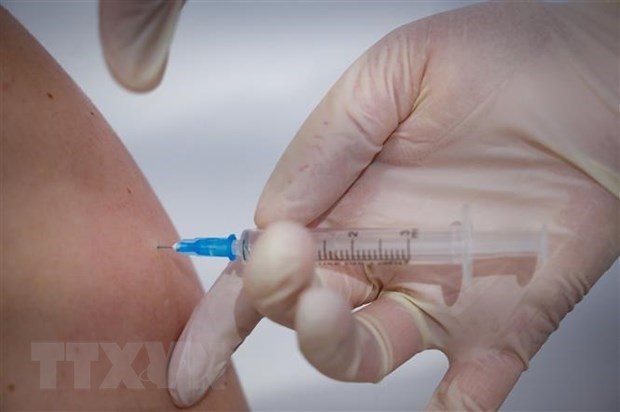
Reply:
x=346 y=130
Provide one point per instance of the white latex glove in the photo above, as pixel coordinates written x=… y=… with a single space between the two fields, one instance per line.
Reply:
x=136 y=36
x=509 y=108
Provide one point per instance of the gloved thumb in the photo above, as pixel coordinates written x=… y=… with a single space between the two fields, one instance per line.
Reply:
x=480 y=382
x=136 y=37
x=218 y=325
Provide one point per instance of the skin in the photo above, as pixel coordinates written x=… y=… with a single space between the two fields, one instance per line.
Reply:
x=79 y=229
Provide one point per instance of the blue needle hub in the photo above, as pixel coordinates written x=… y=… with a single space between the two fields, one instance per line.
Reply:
x=208 y=246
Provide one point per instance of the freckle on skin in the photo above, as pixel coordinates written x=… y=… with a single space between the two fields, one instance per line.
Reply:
x=11 y=387
x=92 y=114
x=325 y=122
x=129 y=190
x=304 y=167
x=50 y=96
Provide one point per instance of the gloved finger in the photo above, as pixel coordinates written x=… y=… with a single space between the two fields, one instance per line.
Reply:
x=346 y=130
x=218 y=325
x=136 y=37
x=481 y=382
x=282 y=266
x=363 y=346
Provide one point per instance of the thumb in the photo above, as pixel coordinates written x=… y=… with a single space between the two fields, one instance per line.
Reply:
x=480 y=383
x=136 y=37
x=346 y=130
x=218 y=325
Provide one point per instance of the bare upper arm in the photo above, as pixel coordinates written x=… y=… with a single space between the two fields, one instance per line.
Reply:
x=79 y=265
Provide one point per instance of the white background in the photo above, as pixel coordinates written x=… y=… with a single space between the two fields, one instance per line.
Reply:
x=241 y=79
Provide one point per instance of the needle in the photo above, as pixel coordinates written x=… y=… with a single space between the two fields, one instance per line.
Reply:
x=163 y=247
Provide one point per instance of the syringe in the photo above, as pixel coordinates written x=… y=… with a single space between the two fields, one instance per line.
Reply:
x=458 y=244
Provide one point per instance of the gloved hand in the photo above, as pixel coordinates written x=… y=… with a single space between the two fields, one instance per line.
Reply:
x=511 y=109
x=136 y=36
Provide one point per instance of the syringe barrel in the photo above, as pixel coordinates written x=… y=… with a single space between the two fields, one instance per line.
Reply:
x=405 y=246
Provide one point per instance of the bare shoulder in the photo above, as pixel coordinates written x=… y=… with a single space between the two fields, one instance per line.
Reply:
x=89 y=308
